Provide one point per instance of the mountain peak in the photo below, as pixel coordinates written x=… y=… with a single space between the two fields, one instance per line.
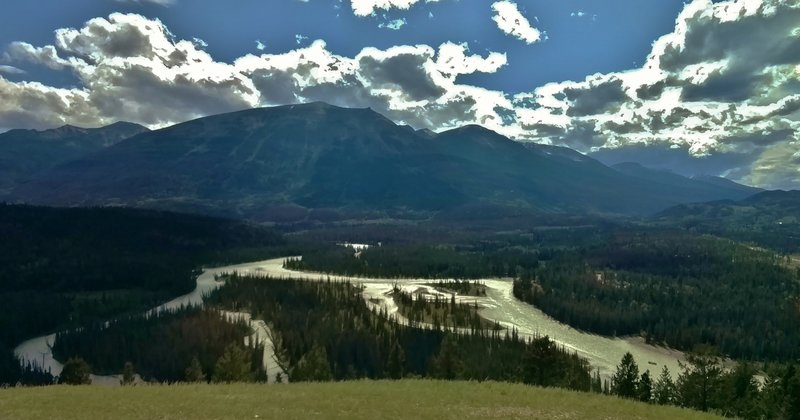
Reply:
x=318 y=155
x=473 y=129
x=636 y=166
x=126 y=125
x=67 y=129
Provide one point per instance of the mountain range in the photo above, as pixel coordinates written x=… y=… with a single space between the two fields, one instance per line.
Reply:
x=300 y=161
x=24 y=154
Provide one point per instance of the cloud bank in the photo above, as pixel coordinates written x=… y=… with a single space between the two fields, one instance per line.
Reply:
x=130 y=68
x=726 y=80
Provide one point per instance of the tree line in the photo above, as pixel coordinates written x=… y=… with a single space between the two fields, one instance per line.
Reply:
x=62 y=268
x=440 y=311
x=172 y=346
x=417 y=260
x=706 y=384
x=326 y=331
x=677 y=290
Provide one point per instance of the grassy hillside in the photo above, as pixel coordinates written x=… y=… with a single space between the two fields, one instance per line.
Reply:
x=351 y=400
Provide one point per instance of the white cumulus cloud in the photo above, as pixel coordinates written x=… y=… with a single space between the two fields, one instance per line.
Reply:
x=131 y=68
x=369 y=7
x=511 y=21
x=710 y=87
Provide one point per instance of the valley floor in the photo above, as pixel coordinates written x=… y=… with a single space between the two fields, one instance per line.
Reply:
x=604 y=353
x=412 y=399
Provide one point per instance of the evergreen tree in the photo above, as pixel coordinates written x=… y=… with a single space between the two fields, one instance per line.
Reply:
x=542 y=364
x=128 y=375
x=700 y=381
x=194 y=373
x=739 y=393
x=75 y=372
x=790 y=409
x=645 y=388
x=447 y=364
x=313 y=366
x=664 y=389
x=233 y=365
x=397 y=361
x=624 y=382
x=597 y=383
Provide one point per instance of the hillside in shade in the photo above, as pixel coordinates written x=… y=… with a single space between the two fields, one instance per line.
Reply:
x=264 y=163
x=25 y=154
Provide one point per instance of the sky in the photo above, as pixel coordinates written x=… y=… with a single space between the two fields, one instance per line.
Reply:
x=699 y=87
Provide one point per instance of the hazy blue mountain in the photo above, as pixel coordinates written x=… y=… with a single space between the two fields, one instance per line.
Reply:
x=26 y=153
x=264 y=163
x=677 y=159
x=708 y=187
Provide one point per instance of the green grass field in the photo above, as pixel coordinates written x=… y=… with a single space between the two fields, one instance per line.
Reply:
x=408 y=399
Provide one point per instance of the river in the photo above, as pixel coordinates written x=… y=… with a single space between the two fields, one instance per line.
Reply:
x=499 y=304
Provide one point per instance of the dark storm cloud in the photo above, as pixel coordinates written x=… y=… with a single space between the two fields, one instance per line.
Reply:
x=604 y=97
x=403 y=72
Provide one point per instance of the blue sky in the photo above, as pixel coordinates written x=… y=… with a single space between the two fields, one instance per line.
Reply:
x=584 y=36
x=714 y=85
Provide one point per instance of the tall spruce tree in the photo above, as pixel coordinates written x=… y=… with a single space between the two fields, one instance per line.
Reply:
x=700 y=382
x=233 y=365
x=313 y=366
x=626 y=379
x=397 y=361
x=645 y=387
x=194 y=373
x=664 y=388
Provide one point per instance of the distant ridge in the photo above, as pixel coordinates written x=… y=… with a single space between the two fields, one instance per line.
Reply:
x=299 y=158
x=25 y=154
x=769 y=218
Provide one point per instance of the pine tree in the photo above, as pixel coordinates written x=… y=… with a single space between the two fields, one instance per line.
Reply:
x=700 y=380
x=597 y=383
x=233 y=365
x=396 y=363
x=625 y=380
x=739 y=392
x=447 y=364
x=75 y=372
x=128 y=375
x=790 y=409
x=541 y=363
x=645 y=388
x=194 y=373
x=664 y=389
x=313 y=366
